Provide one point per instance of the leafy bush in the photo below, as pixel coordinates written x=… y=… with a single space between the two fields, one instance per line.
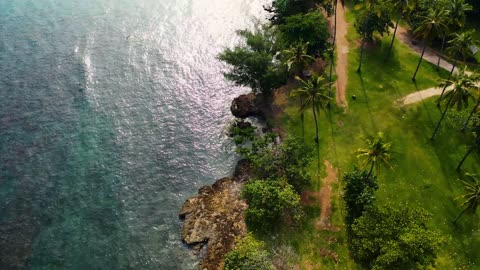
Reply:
x=289 y=160
x=248 y=254
x=268 y=202
x=394 y=238
x=359 y=193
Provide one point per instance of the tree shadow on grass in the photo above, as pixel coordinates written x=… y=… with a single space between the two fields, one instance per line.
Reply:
x=366 y=101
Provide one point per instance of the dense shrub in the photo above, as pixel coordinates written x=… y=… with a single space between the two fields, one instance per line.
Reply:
x=248 y=254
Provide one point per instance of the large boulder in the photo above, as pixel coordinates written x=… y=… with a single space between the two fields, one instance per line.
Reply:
x=215 y=218
x=247 y=105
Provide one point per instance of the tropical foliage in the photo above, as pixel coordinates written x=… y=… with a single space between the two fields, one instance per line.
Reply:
x=394 y=238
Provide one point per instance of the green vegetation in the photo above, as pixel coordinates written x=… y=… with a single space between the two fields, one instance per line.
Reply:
x=249 y=253
x=394 y=238
x=308 y=28
x=401 y=218
x=359 y=193
x=252 y=64
x=471 y=198
x=313 y=94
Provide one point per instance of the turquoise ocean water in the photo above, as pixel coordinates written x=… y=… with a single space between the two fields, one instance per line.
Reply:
x=112 y=113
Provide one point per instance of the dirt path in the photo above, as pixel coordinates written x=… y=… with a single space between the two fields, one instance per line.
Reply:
x=324 y=197
x=324 y=222
x=341 y=46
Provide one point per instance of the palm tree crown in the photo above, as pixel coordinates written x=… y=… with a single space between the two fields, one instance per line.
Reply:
x=297 y=57
x=471 y=198
x=314 y=93
x=462 y=85
x=377 y=152
x=460 y=45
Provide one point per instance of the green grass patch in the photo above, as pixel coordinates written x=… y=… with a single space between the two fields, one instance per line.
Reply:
x=424 y=171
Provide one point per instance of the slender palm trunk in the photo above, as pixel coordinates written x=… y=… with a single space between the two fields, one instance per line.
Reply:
x=335 y=22
x=371 y=170
x=361 y=56
x=420 y=61
x=331 y=71
x=441 y=52
x=393 y=38
x=316 y=121
x=445 y=87
x=470 y=116
x=302 y=119
x=461 y=213
x=441 y=118
x=332 y=55
x=470 y=150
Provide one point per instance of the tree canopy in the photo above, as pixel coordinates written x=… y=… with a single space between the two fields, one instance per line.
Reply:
x=394 y=238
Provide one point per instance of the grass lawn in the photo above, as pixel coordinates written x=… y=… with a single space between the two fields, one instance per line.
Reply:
x=424 y=171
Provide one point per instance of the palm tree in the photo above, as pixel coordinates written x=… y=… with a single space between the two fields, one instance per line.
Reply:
x=456 y=12
x=460 y=47
x=369 y=9
x=476 y=88
x=471 y=198
x=433 y=24
x=297 y=58
x=377 y=152
x=314 y=93
x=399 y=8
x=472 y=147
x=461 y=85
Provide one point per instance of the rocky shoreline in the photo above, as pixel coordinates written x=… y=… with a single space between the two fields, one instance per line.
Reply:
x=214 y=219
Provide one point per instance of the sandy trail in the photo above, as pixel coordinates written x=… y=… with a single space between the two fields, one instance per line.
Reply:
x=341 y=46
x=325 y=196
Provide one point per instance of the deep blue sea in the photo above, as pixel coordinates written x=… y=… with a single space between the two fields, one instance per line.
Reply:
x=112 y=113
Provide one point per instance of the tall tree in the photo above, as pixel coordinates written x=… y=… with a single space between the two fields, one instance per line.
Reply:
x=471 y=198
x=456 y=12
x=460 y=47
x=461 y=85
x=297 y=58
x=471 y=148
x=372 y=18
x=399 y=8
x=432 y=25
x=377 y=152
x=315 y=94
x=476 y=92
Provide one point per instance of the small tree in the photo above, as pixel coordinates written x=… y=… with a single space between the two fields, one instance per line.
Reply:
x=394 y=238
x=253 y=64
x=377 y=152
x=308 y=28
x=368 y=22
x=249 y=253
x=268 y=202
x=471 y=198
x=359 y=193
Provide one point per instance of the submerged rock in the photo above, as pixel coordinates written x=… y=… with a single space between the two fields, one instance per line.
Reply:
x=215 y=218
